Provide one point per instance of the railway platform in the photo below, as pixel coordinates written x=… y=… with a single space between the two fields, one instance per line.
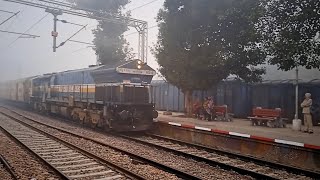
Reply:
x=243 y=127
x=280 y=145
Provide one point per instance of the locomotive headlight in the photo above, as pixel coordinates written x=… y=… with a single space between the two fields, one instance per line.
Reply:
x=139 y=66
x=139 y=62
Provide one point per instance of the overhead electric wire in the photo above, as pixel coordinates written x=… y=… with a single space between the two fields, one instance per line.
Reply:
x=57 y=2
x=9 y=18
x=61 y=44
x=138 y=32
x=81 y=42
x=16 y=18
x=81 y=49
x=10 y=32
x=143 y=5
x=29 y=29
x=7 y=11
x=67 y=22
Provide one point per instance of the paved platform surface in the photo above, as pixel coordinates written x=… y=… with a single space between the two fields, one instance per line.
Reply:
x=244 y=126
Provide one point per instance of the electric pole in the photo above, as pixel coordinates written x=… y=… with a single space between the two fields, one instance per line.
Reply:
x=296 y=116
x=55 y=13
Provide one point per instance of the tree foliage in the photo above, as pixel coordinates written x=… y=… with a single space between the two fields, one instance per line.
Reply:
x=110 y=44
x=202 y=42
x=291 y=32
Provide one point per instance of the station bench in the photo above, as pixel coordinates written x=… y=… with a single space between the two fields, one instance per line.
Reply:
x=267 y=117
x=222 y=113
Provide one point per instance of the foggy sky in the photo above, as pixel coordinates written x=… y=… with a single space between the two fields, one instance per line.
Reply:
x=28 y=57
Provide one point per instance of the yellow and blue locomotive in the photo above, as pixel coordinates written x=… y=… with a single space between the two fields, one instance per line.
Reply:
x=116 y=97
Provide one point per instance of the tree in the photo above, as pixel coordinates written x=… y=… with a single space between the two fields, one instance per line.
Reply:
x=202 y=42
x=291 y=32
x=110 y=44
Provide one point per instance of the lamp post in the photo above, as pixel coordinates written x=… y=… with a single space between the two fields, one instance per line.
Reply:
x=296 y=116
x=296 y=123
x=168 y=97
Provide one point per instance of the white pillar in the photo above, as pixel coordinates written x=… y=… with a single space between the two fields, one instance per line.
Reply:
x=297 y=94
x=296 y=123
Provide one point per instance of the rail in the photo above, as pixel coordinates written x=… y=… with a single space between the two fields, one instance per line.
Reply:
x=214 y=162
x=8 y=167
x=211 y=160
x=178 y=173
x=65 y=148
x=290 y=169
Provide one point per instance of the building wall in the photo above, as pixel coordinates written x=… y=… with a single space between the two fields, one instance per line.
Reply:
x=233 y=94
x=241 y=97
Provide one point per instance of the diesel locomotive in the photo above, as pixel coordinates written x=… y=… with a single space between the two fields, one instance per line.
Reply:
x=114 y=97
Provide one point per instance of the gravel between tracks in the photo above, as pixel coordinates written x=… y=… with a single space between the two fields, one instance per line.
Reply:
x=4 y=174
x=200 y=169
x=24 y=164
x=147 y=171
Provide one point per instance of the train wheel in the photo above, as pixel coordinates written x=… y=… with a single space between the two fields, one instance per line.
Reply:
x=75 y=117
x=92 y=125
x=81 y=120
x=109 y=123
x=106 y=128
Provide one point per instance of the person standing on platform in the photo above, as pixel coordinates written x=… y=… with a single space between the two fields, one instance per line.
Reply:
x=306 y=106
x=206 y=109
x=197 y=108
x=211 y=108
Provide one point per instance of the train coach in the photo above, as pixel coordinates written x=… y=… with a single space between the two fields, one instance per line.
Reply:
x=114 y=97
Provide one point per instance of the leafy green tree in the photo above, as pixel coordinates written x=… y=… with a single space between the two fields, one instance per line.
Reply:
x=110 y=44
x=202 y=42
x=291 y=32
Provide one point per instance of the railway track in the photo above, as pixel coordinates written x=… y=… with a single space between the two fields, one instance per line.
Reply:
x=5 y=165
x=135 y=157
x=238 y=164
x=246 y=165
x=68 y=161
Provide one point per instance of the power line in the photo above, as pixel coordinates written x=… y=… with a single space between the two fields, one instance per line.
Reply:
x=81 y=49
x=65 y=8
x=9 y=18
x=143 y=5
x=81 y=42
x=58 y=2
x=61 y=44
x=67 y=22
x=29 y=29
x=16 y=17
x=138 y=32
x=6 y=11
x=10 y=32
